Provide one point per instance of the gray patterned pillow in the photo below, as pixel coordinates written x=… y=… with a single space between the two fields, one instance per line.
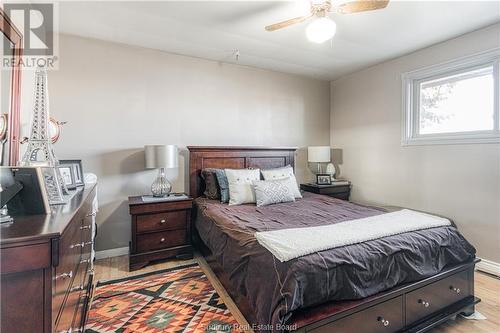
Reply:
x=223 y=185
x=268 y=192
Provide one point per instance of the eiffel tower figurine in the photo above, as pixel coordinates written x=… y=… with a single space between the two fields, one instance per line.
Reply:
x=40 y=152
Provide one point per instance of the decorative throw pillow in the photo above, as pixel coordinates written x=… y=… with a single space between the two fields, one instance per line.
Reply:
x=212 y=190
x=223 y=185
x=240 y=185
x=268 y=192
x=284 y=173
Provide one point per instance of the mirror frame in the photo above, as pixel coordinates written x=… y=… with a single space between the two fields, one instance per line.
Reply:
x=16 y=38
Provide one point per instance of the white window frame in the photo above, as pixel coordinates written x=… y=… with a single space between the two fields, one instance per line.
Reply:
x=411 y=101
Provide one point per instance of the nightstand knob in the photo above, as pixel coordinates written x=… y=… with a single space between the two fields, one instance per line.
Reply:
x=163 y=221
x=162 y=240
x=456 y=290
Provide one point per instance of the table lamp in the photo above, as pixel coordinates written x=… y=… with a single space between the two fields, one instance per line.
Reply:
x=318 y=154
x=161 y=157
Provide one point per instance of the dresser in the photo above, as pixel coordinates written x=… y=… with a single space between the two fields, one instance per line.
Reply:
x=160 y=230
x=46 y=268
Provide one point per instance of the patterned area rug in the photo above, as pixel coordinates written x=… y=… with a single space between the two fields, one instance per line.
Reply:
x=173 y=300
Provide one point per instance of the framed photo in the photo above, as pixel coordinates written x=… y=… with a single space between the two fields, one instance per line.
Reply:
x=76 y=166
x=67 y=175
x=323 y=179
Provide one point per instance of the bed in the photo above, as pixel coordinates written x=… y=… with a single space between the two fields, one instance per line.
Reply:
x=409 y=282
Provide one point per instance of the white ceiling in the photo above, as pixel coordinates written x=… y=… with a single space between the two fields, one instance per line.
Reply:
x=212 y=29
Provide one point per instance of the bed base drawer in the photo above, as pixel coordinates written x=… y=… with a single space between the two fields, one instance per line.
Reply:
x=427 y=300
x=382 y=318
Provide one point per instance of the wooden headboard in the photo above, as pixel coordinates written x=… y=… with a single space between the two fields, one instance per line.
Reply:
x=234 y=158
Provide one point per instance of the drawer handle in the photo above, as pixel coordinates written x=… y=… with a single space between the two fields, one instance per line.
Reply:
x=88 y=243
x=91 y=271
x=163 y=221
x=72 y=246
x=384 y=322
x=85 y=261
x=162 y=240
x=64 y=275
x=90 y=214
x=77 y=288
x=456 y=290
x=85 y=227
x=424 y=303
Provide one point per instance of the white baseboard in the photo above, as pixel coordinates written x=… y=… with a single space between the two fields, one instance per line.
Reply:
x=488 y=266
x=120 y=251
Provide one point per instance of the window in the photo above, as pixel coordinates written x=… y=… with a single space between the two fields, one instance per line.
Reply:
x=455 y=102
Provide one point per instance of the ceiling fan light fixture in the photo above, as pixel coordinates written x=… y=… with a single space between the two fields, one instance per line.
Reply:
x=321 y=29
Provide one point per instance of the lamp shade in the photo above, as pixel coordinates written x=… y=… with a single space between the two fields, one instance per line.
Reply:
x=161 y=156
x=318 y=154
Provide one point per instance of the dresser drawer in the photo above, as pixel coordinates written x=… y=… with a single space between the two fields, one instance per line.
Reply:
x=65 y=320
x=161 y=221
x=382 y=318
x=161 y=240
x=425 y=301
x=70 y=249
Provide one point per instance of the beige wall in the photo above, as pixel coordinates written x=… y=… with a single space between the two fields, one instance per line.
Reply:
x=118 y=98
x=459 y=181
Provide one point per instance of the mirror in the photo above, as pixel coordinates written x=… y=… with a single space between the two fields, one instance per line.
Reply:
x=10 y=91
x=5 y=91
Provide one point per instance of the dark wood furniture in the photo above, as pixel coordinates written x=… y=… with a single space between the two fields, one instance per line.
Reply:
x=334 y=190
x=46 y=276
x=160 y=230
x=415 y=307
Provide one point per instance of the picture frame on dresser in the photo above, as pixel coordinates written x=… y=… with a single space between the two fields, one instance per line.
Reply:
x=77 y=170
x=68 y=176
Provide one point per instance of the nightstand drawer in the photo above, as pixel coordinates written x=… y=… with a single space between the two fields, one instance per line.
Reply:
x=161 y=240
x=161 y=221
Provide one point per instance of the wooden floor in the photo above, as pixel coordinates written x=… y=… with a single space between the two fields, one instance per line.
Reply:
x=487 y=288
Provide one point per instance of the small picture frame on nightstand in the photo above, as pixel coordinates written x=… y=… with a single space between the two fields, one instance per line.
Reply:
x=323 y=179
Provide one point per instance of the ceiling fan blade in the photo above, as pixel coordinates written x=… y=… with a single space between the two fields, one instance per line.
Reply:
x=287 y=23
x=361 y=6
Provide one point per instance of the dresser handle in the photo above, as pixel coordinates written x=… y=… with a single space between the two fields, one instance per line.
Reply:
x=424 y=303
x=85 y=261
x=383 y=321
x=64 y=275
x=163 y=221
x=456 y=290
x=86 y=227
x=72 y=246
x=87 y=243
x=90 y=214
x=77 y=288
x=162 y=240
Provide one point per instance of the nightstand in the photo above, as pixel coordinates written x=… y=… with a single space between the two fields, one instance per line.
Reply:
x=339 y=191
x=160 y=230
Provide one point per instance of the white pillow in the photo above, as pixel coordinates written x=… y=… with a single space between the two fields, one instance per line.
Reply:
x=284 y=173
x=240 y=185
x=268 y=192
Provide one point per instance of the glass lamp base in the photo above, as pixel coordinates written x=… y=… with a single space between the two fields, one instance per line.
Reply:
x=161 y=187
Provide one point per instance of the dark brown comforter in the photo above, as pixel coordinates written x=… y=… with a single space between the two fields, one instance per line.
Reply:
x=275 y=289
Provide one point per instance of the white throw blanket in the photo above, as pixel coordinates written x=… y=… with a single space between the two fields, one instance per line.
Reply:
x=287 y=244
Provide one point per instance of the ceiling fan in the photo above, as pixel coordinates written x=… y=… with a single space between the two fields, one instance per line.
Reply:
x=323 y=28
